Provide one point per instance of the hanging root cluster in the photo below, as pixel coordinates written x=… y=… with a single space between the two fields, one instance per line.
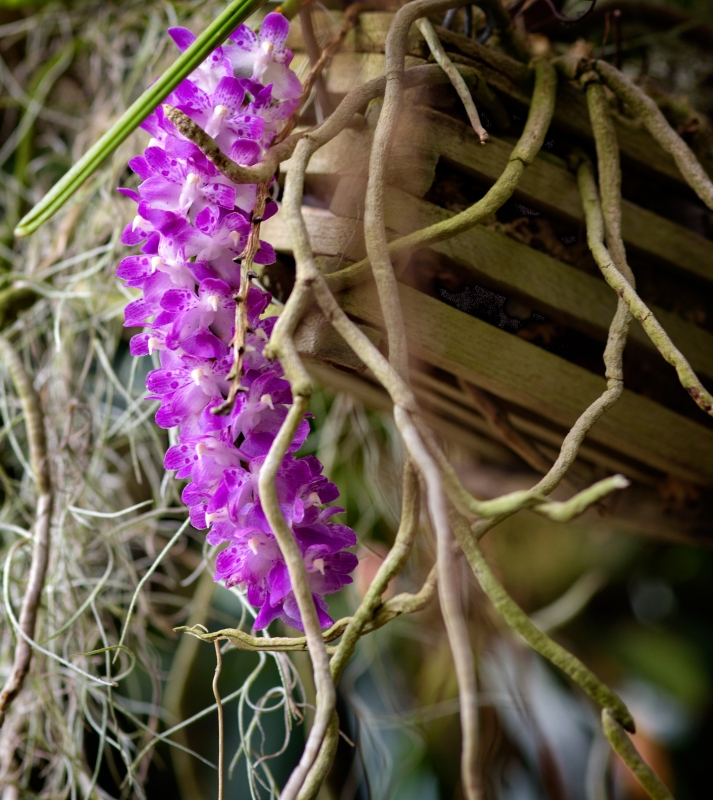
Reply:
x=458 y=519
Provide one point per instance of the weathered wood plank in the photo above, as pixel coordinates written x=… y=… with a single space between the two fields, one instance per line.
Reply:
x=412 y=163
x=545 y=434
x=367 y=36
x=349 y=70
x=329 y=235
x=553 y=287
x=548 y=385
x=554 y=189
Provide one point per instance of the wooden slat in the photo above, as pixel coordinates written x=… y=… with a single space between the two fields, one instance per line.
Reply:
x=546 y=435
x=367 y=36
x=527 y=376
x=554 y=189
x=553 y=287
x=640 y=509
x=412 y=162
x=349 y=70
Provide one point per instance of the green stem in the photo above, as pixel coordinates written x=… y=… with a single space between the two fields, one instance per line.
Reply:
x=214 y=35
x=622 y=745
x=516 y=618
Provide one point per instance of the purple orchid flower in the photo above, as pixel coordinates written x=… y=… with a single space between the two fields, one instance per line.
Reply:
x=192 y=225
x=264 y=57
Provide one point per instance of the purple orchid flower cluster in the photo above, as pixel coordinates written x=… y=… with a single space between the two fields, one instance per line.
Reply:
x=193 y=224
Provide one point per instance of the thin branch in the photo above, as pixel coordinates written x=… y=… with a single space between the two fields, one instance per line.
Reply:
x=358 y=98
x=34 y=426
x=390 y=567
x=595 y=238
x=262 y=171
x=609 y=169
x=494 y=511
x=622 y=744
x=404 y=603
x=323 y=762
x=441 y=57
x=451 y=610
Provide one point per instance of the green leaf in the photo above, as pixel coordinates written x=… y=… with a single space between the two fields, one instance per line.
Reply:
x=214 y=35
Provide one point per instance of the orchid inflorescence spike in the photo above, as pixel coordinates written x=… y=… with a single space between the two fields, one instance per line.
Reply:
x=193 y=225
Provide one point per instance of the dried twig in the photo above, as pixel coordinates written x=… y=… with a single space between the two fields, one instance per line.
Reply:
x=326 y=695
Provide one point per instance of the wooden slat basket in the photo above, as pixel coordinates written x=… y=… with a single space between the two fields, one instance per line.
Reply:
x=516 y=305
